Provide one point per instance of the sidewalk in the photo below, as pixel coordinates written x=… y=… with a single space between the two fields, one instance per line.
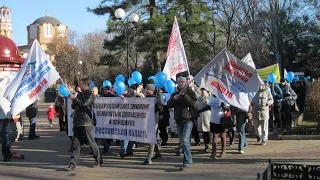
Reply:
x=46 y=157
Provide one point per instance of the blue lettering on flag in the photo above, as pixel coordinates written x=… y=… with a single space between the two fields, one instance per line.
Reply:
x=32 y=80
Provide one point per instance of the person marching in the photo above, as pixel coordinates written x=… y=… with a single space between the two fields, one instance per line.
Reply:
x=83 y=124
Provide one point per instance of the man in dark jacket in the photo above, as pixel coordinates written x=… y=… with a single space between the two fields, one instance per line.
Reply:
x=150 y=88
x=32 y=113
x=289 y=96
x=183 y=100
x=83 y=124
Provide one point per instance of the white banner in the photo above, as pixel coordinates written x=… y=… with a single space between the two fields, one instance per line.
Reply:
x=230 y=79
x=123 y=119
x=35 y=77
x=176 y=56
x=248 y=60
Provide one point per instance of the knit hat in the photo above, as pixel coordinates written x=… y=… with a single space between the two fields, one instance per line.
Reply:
x=150 y=81
x=134 y=86
x=150 y=87
x=107 y=87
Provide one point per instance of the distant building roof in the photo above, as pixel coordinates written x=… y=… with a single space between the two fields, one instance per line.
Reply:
x=47 y=19
x=4 y=7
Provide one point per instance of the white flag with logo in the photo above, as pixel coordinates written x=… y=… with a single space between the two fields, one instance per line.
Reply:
x=230 y=79
x=176 y=56
x=35 y=77
x=248 y=60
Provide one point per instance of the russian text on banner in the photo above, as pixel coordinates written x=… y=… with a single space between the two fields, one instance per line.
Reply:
x=230 y=79
x=176 y=56
x=248 y=60
x=264 y=72
x=35 y=77
x=123 y=119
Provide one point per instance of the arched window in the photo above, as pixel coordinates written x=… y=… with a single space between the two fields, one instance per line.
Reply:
x=48 y=30
x=4 y=14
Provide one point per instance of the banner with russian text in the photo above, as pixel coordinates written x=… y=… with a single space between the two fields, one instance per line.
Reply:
x=34 y=78
x=130 y=119
x=230 y=79
x=264 y=72
x=176 y=56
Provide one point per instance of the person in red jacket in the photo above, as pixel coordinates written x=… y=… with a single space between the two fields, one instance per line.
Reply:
x=51 y=114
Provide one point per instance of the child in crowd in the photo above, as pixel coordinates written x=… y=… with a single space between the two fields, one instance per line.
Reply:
x=51 y=114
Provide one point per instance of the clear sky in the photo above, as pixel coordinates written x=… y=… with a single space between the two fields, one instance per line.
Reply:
x=72 y=13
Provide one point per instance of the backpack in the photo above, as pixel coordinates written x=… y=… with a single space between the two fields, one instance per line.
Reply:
x=31 y=112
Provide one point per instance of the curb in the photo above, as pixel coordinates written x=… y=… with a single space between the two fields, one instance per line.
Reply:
x=298 y=137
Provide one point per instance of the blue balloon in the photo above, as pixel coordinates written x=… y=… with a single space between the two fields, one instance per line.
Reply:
x=63 y=90
x=121 y=78
x=119 y=87
x=308 y=77
x=170 y=86
x=160 y=79
x=131 y=81
x=290 y=76
x=107 y=83
x=272 y=77
x=164 y=98
x=137 y=77
x=152 y=77
x=91 y=84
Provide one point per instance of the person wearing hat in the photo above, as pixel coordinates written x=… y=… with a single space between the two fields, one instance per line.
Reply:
x=196 y=89
x=182 y=101
x=150 y=88
x=288 y=100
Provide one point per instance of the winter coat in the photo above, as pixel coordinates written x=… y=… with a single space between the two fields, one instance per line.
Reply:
x=276 y=94
x=82 y=106
x=51 y=113
x=260 y=105
x=203 y=121
x=184 y=107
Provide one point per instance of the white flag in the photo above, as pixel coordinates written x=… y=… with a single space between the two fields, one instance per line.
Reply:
x=35 y=77
x=285 y=73
x=248 y=60
x=230 y=79
x=176 y=56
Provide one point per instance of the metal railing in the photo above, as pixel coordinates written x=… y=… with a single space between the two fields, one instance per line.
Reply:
x=277 y=171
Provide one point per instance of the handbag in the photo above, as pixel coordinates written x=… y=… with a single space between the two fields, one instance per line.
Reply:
x=227 y=120
x=295 y=106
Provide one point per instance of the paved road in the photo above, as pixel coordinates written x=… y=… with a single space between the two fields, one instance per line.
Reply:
x=46 y=157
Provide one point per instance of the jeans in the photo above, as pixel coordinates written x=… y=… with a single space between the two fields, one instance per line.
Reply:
x=32 y=131
x=5 y=134
x=126 y=146
x=277 y=115
x=241 y=128
x=184 y=131
x=79 y=134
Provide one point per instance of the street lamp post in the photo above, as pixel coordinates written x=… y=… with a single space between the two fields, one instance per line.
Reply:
x=129 y=30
